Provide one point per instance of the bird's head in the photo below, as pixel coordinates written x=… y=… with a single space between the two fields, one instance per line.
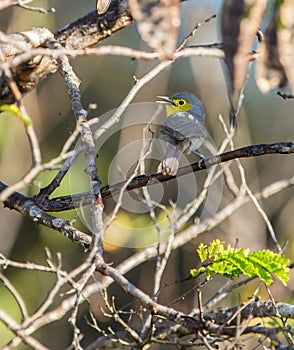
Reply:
x=180 y=102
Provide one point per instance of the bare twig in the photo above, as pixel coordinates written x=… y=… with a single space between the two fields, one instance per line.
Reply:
x=193 y=32
x=285 y=96
x=22 y=4
x=211 y=50
x=16 y=295
x=246 y=188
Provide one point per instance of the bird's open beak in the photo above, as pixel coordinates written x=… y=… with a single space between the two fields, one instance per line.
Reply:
x=165 y=100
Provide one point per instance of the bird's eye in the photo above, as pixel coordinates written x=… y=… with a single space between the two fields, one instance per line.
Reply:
x=181 y=102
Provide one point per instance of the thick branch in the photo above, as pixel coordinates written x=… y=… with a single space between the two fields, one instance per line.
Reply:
x=92 y=28
x=82 y=199
x=84 y=32
x=27 y=207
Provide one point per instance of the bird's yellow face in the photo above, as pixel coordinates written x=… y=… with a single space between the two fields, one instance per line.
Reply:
x=178 y=105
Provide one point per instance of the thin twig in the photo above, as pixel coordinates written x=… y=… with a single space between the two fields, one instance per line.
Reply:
x=16 y=295
x=246 y=188
x=22 y=4
x=193 y=32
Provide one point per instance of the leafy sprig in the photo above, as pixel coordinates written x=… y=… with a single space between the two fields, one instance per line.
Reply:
x=233 y=262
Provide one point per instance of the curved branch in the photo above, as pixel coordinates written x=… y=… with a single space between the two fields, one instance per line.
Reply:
x=92 y=28
x=77 y=200
x=26 y=206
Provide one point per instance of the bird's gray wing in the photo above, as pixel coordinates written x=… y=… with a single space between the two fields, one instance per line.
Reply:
x=183 y=125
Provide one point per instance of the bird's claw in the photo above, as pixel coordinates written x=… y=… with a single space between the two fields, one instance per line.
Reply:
x=202 y=158
x=200 y=162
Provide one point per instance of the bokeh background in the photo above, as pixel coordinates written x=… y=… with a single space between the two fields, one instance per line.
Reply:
x=105 y=82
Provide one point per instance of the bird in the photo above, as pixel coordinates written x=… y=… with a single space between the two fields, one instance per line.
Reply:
x=183 y=131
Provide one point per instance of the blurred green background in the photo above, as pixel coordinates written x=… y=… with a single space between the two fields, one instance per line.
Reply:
x=105 y=82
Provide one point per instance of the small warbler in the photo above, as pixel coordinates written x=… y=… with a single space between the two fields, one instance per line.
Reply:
x=183 y=129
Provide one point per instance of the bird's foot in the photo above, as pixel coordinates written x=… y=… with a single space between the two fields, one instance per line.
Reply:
x=202 y=158
x=167 y=169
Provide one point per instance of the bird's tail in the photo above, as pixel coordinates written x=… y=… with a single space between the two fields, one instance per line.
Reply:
x=170 y=162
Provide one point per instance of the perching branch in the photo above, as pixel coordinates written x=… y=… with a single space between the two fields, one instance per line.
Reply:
x=36 y=209
x=82 y=199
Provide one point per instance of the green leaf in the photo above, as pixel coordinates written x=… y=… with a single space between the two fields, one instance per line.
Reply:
x=215 y=248
x=12 y=109
x=202 y=252
x=233 y=262
x=15 y=111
